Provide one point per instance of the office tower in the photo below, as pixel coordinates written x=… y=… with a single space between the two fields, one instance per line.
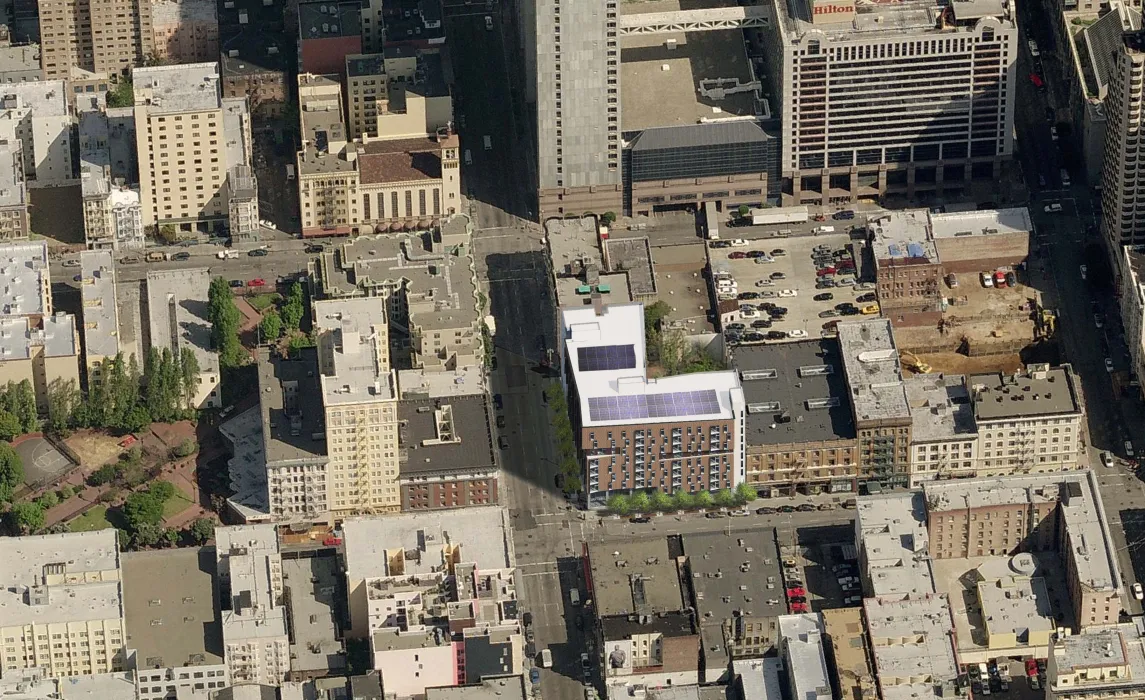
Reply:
x=1122 y=198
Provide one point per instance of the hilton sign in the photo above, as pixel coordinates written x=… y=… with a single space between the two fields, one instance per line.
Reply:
x=827 y=12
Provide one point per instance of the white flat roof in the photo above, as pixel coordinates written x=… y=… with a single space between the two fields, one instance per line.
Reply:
x=100 y=315
x=981 y=223
x=892 y=533
x=86 y=588
x=46 y=98
x=358 y=327
x=803 y=639
x=911 y=645
x=184 y=294
x=482 y=533
x=188 y=87
x=24 y=278
x=249 y=551
x=617 y=378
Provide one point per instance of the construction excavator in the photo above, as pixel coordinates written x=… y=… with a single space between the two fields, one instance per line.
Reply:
x=1045 y=322
x=913 y=363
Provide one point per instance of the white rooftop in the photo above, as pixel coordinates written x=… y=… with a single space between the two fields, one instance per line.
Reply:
x=248 y=556
x=911 y=641
x=482 y=534
x=57 y=337
x=891 y=529
x=981 y=223
x=759 y=678
x=13 y=191
x=32 y=684
x=71 y=577
x=100 y=315
x=874 y=375
x=617 y=333
x=24 y=278
x=463 y=381
x=359 y=336
x=45 y=98
x=177 y=300
x=803 y=639
x=940 y=408
x=188 y=87
x=236 y=124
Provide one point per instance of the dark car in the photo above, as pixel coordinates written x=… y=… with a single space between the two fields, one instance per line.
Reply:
x=849 y=312
x=778 y=276
x=825 y=284
x=527 y=619
x=761 y=323
x=867 y=298
x=753 y=337
x=797 y=599
x=748 y=295
x=503 y=442
x=829 y=313
x=713 y=515
x=497 y=401
x=500 y=421
x=1011 y=279
x=778 y=252
x=237 y=283
x=315 y=248
x=757 y=253
x=776 y=335
x=777 y=310
x=720 y=244
x=735 y=327
x=844 y=215
x=764 y=511
x=825 y=296
x=843 y=306
x=258 y=253
x=805 y=508
x=640 y=520
x=181 y=256
x=786 y=509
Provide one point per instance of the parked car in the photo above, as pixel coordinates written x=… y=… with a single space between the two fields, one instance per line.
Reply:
x=845 y=215
x=824 y=284
x=182 y=255
x=258 y=253
x=825 y=506
x=256 y=282
x=795 y=591
x=764 y=511
x=503 y=442
x=748 y=295
x=826 y=296
x=737 y=255
x=786 y=509
x=825 y=271
x=778 y=253
x=829 y=313
x=1138 y=592
x=640 y=520
x=237 y=283
x=778 y=276
x=867 y=298
x=805 y=508
x=315 y=248
x=761 y=323
x=735 y=327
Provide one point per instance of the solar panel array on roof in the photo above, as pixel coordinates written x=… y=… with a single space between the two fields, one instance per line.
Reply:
x=683 y=403
x=602 y=357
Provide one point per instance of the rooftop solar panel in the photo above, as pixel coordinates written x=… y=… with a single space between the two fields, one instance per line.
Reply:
x=605 y=357
x=643 y=406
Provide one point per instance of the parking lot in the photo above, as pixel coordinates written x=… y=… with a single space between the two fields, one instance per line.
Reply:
x=827 y=575
x=786 y=277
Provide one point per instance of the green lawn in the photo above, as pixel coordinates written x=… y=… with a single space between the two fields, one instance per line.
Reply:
x=262 y=302
x=175 y=505
x=94 y=519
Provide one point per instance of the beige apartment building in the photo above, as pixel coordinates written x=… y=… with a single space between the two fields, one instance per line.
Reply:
x=365 y=83
x=359 y=394
x=1102 y=664
x=185 y=31
x=256 y=645
x=1028 y=422
x=188 y=137
x=13 y=193
x=103 y=37
x=62 y=603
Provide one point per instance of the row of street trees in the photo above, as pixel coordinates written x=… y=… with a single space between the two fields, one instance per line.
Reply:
x=126 y=400
x=566 y=445
x=658 y=501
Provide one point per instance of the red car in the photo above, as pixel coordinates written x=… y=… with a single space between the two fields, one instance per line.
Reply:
x=1031 y=667
x=795 y=592
x=1036 y=80
x=799 y=607
x=845 y=265
x=825 y=271
x=737 y=255
x=256 y=282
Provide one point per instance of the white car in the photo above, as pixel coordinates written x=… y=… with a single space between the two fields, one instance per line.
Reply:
x=1108 y=365
x=764 y=283
x=1053 y=133
x=788 y=293
x=987 y=280
x=1098 y=321
x=71 y=263
x=764 y=259
x=1054 y=208
x=1129 y=449
x=865 y=286
x=797 y=334
x=1138 y=592
x=1084 y=271
x=1107 y=459
x=738 y=243
x=748 y=313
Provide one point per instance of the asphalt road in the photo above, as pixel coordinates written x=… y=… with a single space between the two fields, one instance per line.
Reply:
x=1060 y=250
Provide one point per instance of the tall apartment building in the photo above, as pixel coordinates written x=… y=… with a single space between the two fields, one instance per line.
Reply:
x=361 y=408
x=102 y=37
x=62 y=603
x=365 y=83
x=577 y=84
x=1028 y=422
x=188 y=137
x=14 y=223
x=944 y=435
x=38 y=116
x=910 y=98
x=100 y=313
x=1133 y=307
x=878 y=398
x=634 y=432
x=185 y=31
x=256 y=646
x=1122 y=207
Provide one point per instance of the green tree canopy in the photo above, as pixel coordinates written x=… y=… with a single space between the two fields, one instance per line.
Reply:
x=662 y=502
x=271 y=326
x=704 y=499
x=11 y=472
x=225 y=319
x=293 y=309
x=202 y=530
x=27 y=517
x=640 y=502
x=746 y=493
x=619 y=503
x=725 y=498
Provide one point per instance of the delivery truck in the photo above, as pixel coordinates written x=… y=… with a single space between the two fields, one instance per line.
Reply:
x=779 y=215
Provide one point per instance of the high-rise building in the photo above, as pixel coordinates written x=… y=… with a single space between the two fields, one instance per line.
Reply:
x=188 y=136
x=1123 y=209
x=256 y=647
x=104 y=37
x=910 y=98
x=577 y=80
x=361 y=406
x=37 y=115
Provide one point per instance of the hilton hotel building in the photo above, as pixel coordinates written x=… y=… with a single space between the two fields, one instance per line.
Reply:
x=907 y=98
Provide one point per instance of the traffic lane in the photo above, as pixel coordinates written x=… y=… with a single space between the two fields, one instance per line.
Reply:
x=269 y=266
x=610 y=527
